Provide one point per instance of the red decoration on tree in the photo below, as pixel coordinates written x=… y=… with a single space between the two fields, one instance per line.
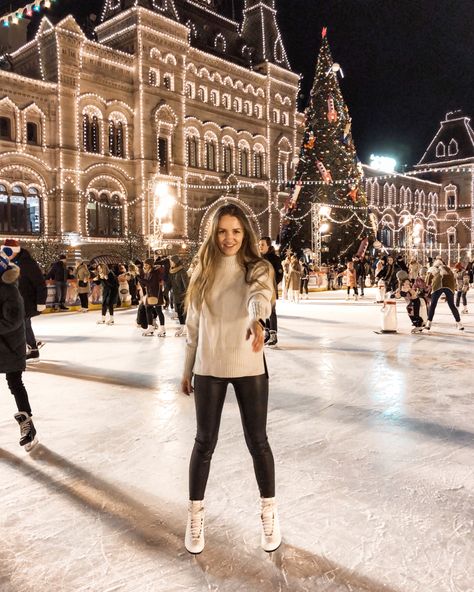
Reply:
x=353 y=194
x=332 y=113
x=325 y=174
x=324 y=31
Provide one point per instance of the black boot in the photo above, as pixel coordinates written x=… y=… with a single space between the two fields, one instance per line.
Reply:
x=28 y=437
x=33 y=354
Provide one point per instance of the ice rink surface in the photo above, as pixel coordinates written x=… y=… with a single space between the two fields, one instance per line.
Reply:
x=372 y=437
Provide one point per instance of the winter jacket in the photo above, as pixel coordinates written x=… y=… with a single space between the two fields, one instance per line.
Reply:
x=152 y=284
x=462 y=281
x=12 y=326
x=179 y=283
x=83 y=276
x=294 y=276
x=441 y=277
x=58 y=272
x=31 y=284
x=109 y=288
x=275 y=262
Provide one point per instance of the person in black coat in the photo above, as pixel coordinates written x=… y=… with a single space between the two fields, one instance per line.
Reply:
x=33 y=290
x=13 y=345
x=59 y=273
x=109 y=282
x=268 y=252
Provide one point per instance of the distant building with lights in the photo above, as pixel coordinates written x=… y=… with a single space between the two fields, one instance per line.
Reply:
x=170 y=92
x=431 y=208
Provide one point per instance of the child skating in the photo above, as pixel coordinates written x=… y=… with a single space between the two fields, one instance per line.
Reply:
x=13 y=345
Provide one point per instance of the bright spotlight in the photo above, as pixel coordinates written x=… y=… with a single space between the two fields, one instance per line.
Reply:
x=383 y=163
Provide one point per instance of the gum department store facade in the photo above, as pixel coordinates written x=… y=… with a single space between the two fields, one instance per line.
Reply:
x=173 y=92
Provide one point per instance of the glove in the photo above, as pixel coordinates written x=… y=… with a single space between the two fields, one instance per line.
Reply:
x=40 y=307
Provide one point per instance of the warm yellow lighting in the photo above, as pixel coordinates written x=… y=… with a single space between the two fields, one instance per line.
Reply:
x=324 y=211
x=167 y=227
x=324 y=227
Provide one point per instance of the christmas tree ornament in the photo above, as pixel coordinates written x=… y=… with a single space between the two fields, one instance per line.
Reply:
x=332 y=113
x=334 y=69
x=310 y=141
x=353 y=194
x=325 y=174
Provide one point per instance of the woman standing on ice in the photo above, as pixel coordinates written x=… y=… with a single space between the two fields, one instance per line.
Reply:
x=441 y=280
x=230 y=295
x=108 y=280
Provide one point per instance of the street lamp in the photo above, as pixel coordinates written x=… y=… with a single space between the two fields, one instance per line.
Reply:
x=319 y=226
x=161 y=210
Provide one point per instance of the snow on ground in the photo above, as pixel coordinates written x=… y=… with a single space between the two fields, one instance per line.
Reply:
x=372 y=436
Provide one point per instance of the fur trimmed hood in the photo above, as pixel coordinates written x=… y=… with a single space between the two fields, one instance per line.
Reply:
x=10 y=275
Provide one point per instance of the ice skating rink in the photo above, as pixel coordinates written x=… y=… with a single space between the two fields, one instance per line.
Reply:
x=372 y=434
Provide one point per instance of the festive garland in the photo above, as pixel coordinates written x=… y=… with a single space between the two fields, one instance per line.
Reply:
x=26 y=12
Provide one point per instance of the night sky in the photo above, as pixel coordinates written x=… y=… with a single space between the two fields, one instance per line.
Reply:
x=406 y=63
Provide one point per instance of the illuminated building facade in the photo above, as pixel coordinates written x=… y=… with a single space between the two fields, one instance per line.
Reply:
x=170 y=92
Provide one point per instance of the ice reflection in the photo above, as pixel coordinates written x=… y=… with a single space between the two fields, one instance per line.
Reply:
x=387 y=386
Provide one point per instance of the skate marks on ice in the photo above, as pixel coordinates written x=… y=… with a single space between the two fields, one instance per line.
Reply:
x=230 y=569
x=95 y=494
x=127 y=378
x=226 y=565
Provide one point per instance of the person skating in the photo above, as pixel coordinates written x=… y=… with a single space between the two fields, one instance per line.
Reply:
x=441 y=280
x=388 y=274
x=351 y=280
x=295 y=273
x=59 y=274
x=108 y=280
x=230 y=292
x=13 y=345
x=152 y=283
x=83 y=277
x=33 y=290
x=268 y=252
x=179 y=281
x=462 y=286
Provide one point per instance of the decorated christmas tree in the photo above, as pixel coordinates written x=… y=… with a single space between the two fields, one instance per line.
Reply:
x=328 y=174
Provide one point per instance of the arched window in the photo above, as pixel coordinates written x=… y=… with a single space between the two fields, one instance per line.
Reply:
x=95 y=135
x=220 y=43
x=227 y=158
x=105 y=216
x=5 y=128
x=168 y=81
x=153 y=78
x=215 y=98
x=226 y=101
x=116 y=144
x=451 y=234
x=258 y=165
x=440 y=150
x=453 y=148
x=258 y=111
x=285 y=118
x=20 y=213
x=189 y=90
x=210 y=154
x=202 y=94
x=450 y=192
x=32 y=135
x=192 y=148
x=276 y=116
x=237 y=106
x=244 y=161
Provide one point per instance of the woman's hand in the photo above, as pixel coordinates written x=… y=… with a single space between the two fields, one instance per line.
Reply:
x=186 y=386
x=255 y=330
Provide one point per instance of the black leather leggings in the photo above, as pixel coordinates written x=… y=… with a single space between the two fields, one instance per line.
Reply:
x=18 y=390
x=252 y=397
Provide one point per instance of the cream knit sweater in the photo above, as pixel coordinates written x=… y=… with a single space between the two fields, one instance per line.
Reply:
x=216 y=344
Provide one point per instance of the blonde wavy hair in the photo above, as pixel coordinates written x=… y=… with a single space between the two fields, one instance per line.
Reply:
x=204 y=275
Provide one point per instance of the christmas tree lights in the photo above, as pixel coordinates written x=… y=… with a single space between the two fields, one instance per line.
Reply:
x=26 y=12
x=327 y=170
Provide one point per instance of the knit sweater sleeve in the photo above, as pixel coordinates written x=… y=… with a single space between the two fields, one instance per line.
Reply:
x=192 y=330
x=261 y=291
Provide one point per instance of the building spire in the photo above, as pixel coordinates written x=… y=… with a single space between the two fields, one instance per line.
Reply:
x=260 y=31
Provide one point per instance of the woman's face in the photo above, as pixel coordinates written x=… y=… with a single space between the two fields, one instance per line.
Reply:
x=146 y=268
x=230 y=235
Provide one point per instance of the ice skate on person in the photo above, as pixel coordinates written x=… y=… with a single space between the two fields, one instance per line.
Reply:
x=266 y=337
x=464 y=310
x=417 y=330
x=180 y=331
x=271 y=536
x=32 y=355
x=428 y=325
x=28 y=437
x=110 y=321
x=149 y=332
x=161 y=331
x=194 y=538
x=273 y=340
x=459 y=326
x=101 y=321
